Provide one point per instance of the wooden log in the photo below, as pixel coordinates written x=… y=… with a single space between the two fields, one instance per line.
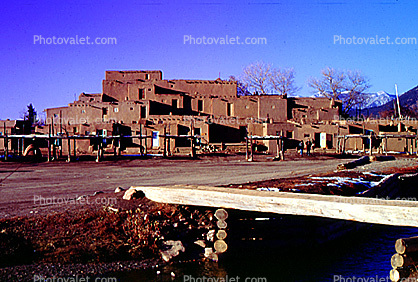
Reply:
x=221 y=224
x=397 y=274
x=220 y=246
x=406 y=245
x=361 y=161
x=221 y=214
x=375 y=158
x=384 y=187
x=398 y=213
x=403 y=260
x=221 y=234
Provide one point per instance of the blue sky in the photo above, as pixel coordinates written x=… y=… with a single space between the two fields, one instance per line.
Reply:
x=150 y=35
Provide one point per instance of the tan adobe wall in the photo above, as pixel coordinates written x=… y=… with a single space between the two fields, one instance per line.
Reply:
x=273 y=107
x=134 y=75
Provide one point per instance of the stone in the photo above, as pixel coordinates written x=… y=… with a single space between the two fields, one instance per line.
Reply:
x=119 y=189
x=176 y=247
x=132 y=193
x=209 y=254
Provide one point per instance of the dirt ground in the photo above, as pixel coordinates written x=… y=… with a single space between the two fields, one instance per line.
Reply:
x=27 y=187
x=52 y=213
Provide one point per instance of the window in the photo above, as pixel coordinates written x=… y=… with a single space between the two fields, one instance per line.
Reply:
x=140 y=94
x=74 y=130
x=143 y=112
x=199 y=105
x=174 y=103
x=115 y=110
x=197 y=131
x=306 y=135
x=134 y=122
x=104 y=111
x=83 y=111
x=147 y=76
x=131 y=109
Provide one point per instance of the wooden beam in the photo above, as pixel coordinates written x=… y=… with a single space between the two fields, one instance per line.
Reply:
x=370 y=210
x=69 y=150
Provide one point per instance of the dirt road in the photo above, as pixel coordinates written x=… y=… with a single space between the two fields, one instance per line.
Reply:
x=22 y=183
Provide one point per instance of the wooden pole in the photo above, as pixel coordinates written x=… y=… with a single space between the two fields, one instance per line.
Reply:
x=386 y=145
x=338 y=145
x=344 y=140
x=69 y=149
x=75 y=148
x=49 y=143
x=169 y=142
x=370 y=146
x=165 y=140
x=250 y=140
x=193 y=141
x=140 y=139
x=416 y=145
x=99 y=149
x=277 y=148
x=61 y=143
x=411 y=146
x=115 y=151
x=146 y=143
x=6 y=144
x=246 y=143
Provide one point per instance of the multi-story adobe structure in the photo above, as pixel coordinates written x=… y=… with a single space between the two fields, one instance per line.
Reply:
x=141 y=102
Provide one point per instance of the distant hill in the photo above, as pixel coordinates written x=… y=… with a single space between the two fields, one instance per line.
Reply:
x=373 y=100
x=408 y=100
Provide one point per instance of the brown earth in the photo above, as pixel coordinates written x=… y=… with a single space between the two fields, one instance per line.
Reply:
x=66 y=229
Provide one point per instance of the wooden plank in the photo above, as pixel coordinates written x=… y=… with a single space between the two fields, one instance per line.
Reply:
x=370 y=210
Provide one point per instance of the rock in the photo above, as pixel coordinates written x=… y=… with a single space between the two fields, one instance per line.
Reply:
x=200 y=243
x=210 y=236
x=113 y=209
x=132 y=193
x=176 y=246
x=209 y=254
x=81 y=197
x=119 y=189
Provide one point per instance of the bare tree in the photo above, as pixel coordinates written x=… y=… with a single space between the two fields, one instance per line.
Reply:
x=262 y=78
x=283 y=81
x=255 y=77
x=347 y=86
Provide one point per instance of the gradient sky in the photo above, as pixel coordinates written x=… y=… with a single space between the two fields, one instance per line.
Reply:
x=150 y=34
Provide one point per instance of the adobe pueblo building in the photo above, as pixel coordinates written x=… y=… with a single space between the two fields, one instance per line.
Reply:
x=142 y=103
x=154 y=115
